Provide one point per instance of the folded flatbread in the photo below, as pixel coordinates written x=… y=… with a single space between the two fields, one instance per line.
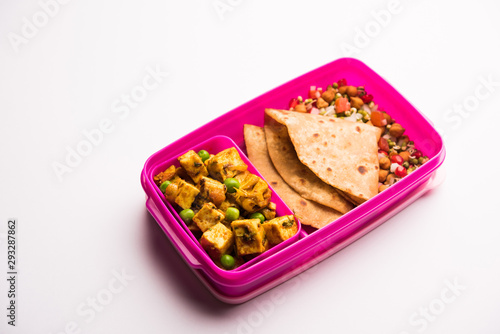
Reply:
x=296 y=174
x=343 y=154
x=308 y=212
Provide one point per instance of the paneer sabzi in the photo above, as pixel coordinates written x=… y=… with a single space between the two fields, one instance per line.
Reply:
x=221 y=217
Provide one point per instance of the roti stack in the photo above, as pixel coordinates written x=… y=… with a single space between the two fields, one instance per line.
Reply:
x=341 y=153
x=320 y=166
x=309 y=212
x=296 y=174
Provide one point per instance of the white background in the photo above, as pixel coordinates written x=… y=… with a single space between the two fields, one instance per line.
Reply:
x=76 y=233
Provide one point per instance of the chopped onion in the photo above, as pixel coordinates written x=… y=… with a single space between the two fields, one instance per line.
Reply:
x=315 y=111
x=351 y=118
x=394 y=166
x=366 y=108
x=329 y=110
x=381 y=155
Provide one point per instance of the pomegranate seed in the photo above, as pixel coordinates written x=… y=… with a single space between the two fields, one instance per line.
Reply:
x=293 y=103
x=397 y=159
x=400 y=171
x=342 y=82
x=417 y=154
x=367 y=98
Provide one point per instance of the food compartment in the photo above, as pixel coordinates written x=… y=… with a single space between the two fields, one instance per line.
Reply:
x=216 y=145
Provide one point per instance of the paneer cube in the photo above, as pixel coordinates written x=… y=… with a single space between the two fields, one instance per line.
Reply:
x=165 y=175
x=193 y=165
x=225 y=164
x=217 y=241
x=254 y=193
x=208 y=216
x=280 y=229
x=212 y=190
x=249 y=236
x=186 y=194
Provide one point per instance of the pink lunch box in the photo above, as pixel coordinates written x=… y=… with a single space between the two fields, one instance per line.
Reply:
x=308 y=246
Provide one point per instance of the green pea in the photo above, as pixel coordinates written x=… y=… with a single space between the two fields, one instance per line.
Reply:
x=164 y=186
x=231 y=184
x=227 y=261
x=414 y=161
x=420 y=160
x=204 y=155
x=232 y=213
x=258 y=215
x=187 y=215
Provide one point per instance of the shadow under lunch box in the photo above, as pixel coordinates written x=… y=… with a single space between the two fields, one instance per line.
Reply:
x=309 y=246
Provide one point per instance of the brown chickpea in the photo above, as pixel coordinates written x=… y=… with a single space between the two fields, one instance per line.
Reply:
x=320 y=103
x=382 y=175
x=328 y=96
x=356 y=102
x=300 y=108
x=405 y=155
x=343 y=89
x=385 y=163
x=396 y=130
x=352 y=91
x=382 y=187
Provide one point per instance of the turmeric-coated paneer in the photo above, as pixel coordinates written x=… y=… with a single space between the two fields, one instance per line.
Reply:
x=249 y=236
x=208 y=216
x=254 y=193
x=164 y=176
x=217 y=241
x=193 y=165
x=212 y=190
x=280 y=229
x=225 y=164
x=186 y=194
